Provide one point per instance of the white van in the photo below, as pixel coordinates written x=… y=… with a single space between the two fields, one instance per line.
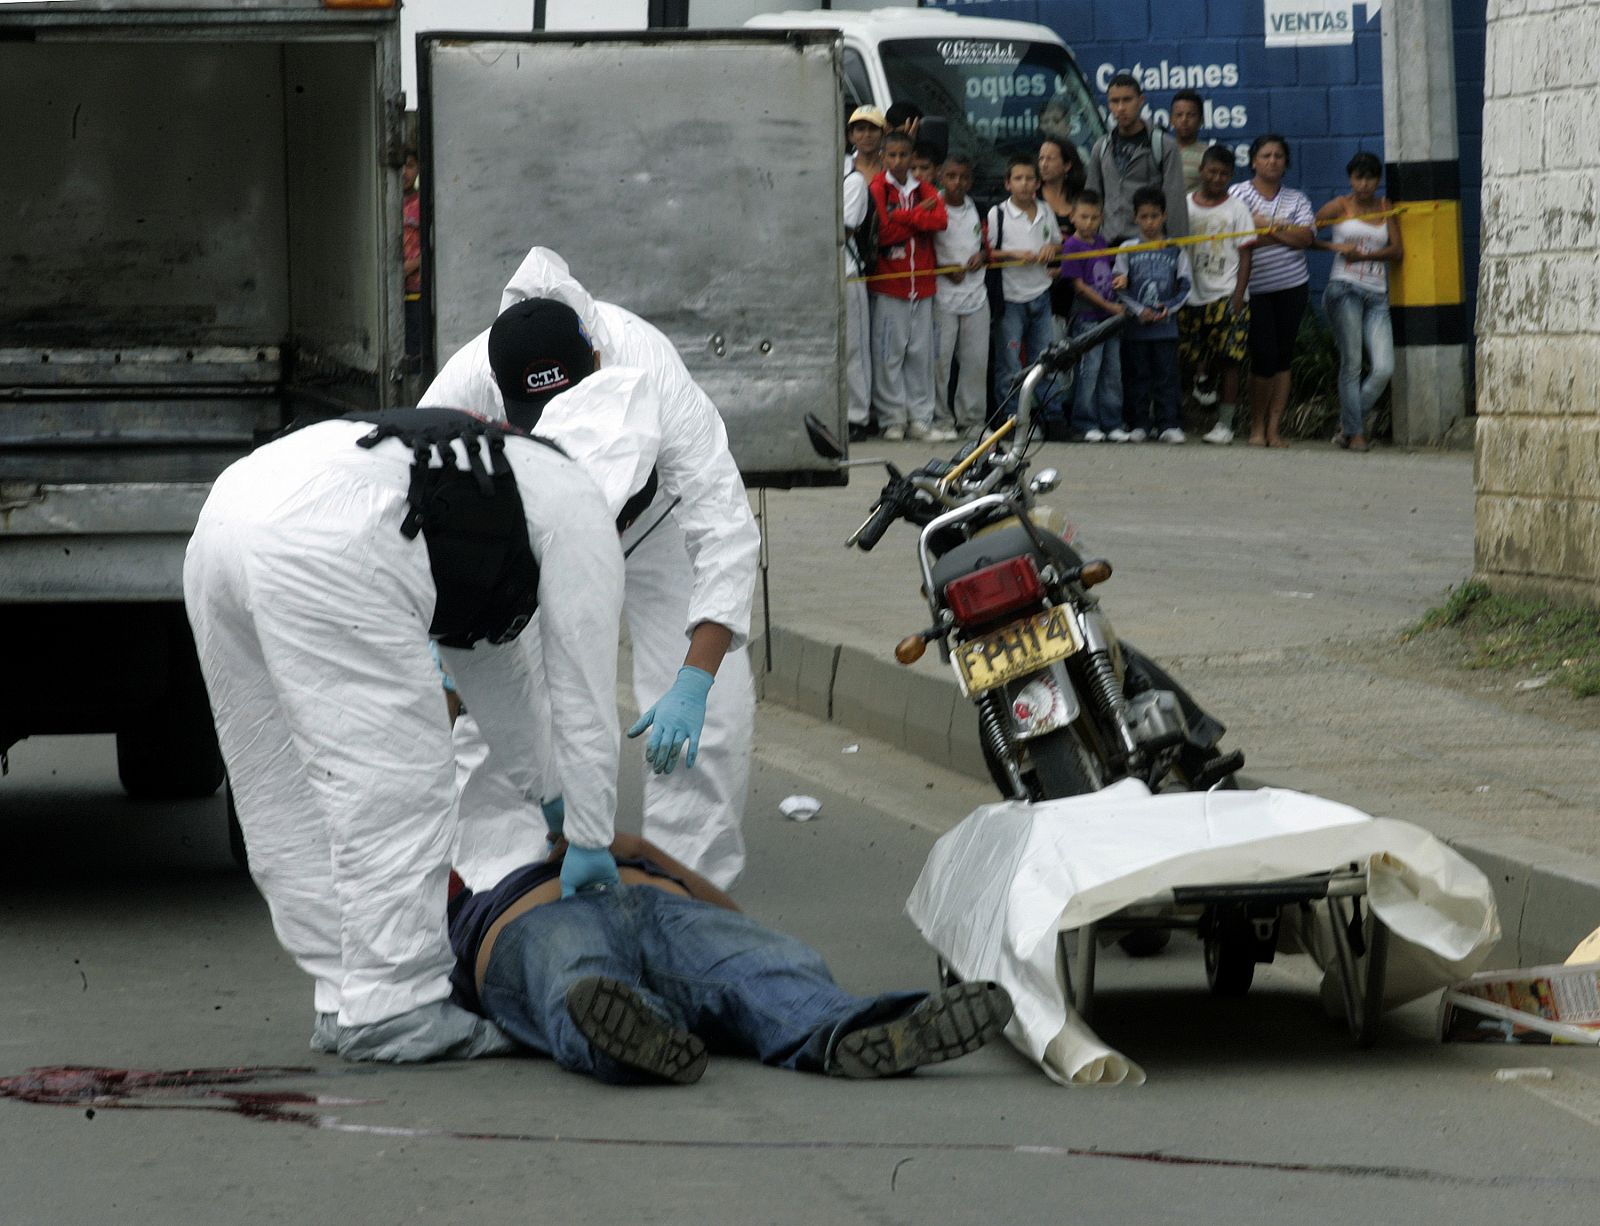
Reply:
x=1001 y=85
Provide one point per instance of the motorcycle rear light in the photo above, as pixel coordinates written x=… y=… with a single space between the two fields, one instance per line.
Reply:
x=993 y=591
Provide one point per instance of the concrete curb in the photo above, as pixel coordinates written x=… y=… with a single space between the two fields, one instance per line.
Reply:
x=1549 y=899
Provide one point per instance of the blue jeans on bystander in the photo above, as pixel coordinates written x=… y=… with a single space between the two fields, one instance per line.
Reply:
x=1359 y=316
x=1024 y=327
x=1152 y=368
x=718 y=974
x=1097 y=394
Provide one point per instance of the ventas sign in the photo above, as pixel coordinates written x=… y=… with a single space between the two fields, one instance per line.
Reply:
x=1315 y=23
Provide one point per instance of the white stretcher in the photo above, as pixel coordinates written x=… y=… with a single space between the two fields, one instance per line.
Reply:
x=1027 y=894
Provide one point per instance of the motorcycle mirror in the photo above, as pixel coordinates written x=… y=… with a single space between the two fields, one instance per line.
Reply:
x=823 y=440
x=1045 y=480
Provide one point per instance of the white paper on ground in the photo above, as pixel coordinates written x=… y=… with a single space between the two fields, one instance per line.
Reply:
x=997 y=889
x=799 y=808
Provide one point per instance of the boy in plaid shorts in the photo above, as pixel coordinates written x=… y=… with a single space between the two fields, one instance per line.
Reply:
x=1214 y=326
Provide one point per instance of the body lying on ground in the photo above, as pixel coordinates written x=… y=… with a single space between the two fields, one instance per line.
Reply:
x=634 y=983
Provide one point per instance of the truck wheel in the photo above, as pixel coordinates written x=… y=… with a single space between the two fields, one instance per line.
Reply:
x=173 y=756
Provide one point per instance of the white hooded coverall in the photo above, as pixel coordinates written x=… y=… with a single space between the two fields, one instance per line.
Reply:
x=310 y=613
x=699 y=565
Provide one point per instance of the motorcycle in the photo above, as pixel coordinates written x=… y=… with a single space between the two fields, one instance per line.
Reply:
x=1064 y=706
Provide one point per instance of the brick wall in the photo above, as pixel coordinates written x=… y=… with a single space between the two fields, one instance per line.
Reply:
x=1538 y=439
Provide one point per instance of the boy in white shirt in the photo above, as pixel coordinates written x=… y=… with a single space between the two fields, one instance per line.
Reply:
x=1214 y=325
x=1021 y=230
x=960 y=307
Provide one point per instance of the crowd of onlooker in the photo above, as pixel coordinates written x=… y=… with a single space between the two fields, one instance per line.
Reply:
x=946 y=303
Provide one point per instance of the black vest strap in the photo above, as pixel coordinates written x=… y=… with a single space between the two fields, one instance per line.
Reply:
x=471 y=520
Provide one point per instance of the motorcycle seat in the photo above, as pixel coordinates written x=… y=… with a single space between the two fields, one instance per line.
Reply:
x=1000 y=545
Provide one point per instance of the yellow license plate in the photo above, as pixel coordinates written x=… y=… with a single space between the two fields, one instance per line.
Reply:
x=1021 y=648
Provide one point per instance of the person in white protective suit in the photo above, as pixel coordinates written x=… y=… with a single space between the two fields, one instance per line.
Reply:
x=691 y=568
x=321 y=567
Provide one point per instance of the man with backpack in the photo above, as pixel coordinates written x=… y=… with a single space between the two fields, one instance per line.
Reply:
x=1134 y=155
x=860 y=256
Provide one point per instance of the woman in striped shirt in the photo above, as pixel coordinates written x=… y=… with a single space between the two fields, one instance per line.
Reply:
x=1279 y=282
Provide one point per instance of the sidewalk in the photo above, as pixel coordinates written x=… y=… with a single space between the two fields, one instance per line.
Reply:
x=1273 y=584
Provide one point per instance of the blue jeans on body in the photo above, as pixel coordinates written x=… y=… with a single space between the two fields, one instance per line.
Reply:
x=1097 y=394
x=720 y=975
x=1023 y=324
x=1152 y=369
x=1359 y=316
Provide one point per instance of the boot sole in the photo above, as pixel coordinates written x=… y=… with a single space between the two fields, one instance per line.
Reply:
x=619 y=1024
x=952 y=1022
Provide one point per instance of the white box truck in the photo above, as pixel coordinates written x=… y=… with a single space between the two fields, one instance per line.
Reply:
x=204 y=242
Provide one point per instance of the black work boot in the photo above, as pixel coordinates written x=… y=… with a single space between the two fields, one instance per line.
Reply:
x=618 y=1023
x=951 y=1022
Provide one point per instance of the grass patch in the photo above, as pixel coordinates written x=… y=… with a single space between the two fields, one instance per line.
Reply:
x=1519 y=634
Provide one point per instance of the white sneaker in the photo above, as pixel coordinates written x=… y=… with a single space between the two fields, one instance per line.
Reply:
x=917 y=430
x=1119 y=435
x=1205 y=395
x=940 y=434
x=1218 y=434
x=1094 y=436
x=1137 y=435
x=892 y=434
x=1173 y=435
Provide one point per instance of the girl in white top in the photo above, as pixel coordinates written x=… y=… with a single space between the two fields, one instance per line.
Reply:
x=1364 y=244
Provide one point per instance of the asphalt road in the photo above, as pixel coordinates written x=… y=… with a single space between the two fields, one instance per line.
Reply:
x=128 y=941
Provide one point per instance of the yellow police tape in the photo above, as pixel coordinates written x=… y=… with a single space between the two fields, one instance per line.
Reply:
x=1415 y=206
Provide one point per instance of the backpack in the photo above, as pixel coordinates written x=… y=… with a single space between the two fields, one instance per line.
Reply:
x=992 y=281
x=1104 y=143
x=863 y=239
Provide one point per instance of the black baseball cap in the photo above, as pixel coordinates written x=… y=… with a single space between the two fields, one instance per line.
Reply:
x=537 y=350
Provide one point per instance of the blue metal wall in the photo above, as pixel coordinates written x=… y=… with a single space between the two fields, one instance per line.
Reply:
x=1327 y=100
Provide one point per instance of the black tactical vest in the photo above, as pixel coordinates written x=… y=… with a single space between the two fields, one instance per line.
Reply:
x=471 y=520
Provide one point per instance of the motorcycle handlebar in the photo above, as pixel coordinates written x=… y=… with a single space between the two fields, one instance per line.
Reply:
x=1064 y=355
x=886 y=512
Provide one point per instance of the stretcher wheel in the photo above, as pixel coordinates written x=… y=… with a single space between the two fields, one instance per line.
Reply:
x=1364 y=1025
x=1230 y=962
x=1145 y=942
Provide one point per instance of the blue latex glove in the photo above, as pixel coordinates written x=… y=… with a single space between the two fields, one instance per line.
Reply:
x=445 y=678
x=555 y=815
x=678 y=718
x=583 y=867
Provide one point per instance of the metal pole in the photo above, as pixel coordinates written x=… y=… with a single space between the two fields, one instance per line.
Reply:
x=766 y=596
x=1432 y=385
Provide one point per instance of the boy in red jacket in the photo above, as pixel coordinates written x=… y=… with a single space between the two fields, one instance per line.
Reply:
x=909 y=214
